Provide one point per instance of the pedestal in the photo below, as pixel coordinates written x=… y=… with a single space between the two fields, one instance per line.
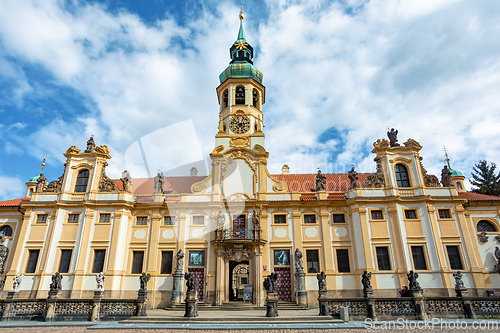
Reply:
x=142 y=296
x=468 y=310
x=96 y=305
x=418 y=299
x=177 y=293
x=370 y=304
x=323 y=304
x=191 y=309
x=51 y=305
x=300 y=277
x=272 y=305
x=7 y=305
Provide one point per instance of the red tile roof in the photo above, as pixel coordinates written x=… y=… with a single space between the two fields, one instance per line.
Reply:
x=478 y=196
x=13 y=203
x=306 y=182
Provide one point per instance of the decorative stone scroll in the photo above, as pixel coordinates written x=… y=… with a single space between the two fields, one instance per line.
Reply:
x=4 y=252
x=238 y=253
x=106 y=184
x=377 y=179
x=429 y=180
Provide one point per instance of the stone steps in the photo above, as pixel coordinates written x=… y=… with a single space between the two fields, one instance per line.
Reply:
x=159 y=320
x=238 y=306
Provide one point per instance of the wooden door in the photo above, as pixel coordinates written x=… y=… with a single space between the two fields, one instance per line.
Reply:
x=199 y=275
x=239 y=227
x=283 y=284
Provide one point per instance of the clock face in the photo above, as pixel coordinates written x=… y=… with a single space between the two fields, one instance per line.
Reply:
x=239 y=124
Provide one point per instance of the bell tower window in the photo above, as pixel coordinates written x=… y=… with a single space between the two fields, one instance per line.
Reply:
x=225 y=99
x=402 y=176
x=240 y=95
x=82 y=181
x=255 y=99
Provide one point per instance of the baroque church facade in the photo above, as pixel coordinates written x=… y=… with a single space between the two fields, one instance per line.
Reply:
x=232 y=228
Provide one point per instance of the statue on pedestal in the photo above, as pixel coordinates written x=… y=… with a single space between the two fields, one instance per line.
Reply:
x=126 y=181
x=17 y=282
x=56 y=284
x=191 y=282
x=41 y=183
x=256 y=219
x=180 y=260
x=459 y=284
x=321 y=281
x=159 y=181
x=270 y=282
x=221 y=220
x=412 y=279
x=99 y=278
x=366 y=281
x=90 y=145
x=144 y=281
x=299 y=266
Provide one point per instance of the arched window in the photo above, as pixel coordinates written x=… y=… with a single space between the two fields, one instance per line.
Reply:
x=486 y=226
x=402 y=176
x=255 y=99
x=459 y=186
x=81 y=181
x=240 y=95
x=6 y=230
x=225 y=99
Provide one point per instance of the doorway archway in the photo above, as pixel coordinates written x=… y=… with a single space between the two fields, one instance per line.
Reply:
x=239 y=277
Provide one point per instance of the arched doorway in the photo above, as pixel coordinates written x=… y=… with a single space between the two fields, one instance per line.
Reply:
x=238 y=278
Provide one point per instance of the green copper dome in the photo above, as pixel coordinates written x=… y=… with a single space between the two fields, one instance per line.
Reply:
x=241 y=65
x=454 y=173
x=34 y=179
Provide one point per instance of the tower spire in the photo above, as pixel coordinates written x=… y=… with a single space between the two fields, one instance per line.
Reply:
x=241 y=32
x=43 y=163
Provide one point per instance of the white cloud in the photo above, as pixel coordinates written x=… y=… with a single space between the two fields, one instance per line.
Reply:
x=12 y=188
x=428 y=68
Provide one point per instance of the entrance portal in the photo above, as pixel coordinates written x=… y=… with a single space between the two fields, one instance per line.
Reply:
x=238 y=279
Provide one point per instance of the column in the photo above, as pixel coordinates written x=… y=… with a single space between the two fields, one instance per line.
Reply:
x=398 y=245
x=259 y=287
x=219 y=275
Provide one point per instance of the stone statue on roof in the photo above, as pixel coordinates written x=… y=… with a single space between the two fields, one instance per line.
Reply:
x=320 y=182
x=446 y=177
x=159 y=181
x=126 y=181
x=90 y=145
x=41 y=183
x=353 y=177
x=393 y=137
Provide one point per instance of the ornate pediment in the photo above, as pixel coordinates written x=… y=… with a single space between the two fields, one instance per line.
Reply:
x=238 y=253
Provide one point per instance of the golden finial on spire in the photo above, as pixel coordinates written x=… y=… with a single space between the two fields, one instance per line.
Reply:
x=446 y=153
x=43 y=162
x=241 y=13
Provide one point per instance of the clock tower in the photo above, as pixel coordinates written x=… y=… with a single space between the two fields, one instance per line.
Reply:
x=239 y=159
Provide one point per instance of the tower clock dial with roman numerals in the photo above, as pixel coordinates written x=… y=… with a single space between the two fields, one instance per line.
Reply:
x=239 y=124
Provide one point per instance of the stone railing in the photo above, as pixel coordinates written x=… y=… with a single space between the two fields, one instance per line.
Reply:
x=409 y=307
x=69 y=309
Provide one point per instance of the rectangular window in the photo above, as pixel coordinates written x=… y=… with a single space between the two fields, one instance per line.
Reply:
x=343 y=261
x=196 y=258
x=166 y=262
x=312 y=258
x=454 y=257
x=338 y=218
x=418 y=258
x=73 y=218
x=137 y=262
x=280 y=218
x=444 y=213
x=198 y=220
x=281 y=257
x=104 y=218
x=384 y=263
x=65 y=261
x=377 y=215
x=142 y=220
x=169 y=220
x=310 y=218
x=99 y=256
x=32 y=261
x=410 y=214
x=42 y=218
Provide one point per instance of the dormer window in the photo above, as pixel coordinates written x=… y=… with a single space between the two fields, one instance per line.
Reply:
x=402 y=175
x=240 y=95
x=82 y=181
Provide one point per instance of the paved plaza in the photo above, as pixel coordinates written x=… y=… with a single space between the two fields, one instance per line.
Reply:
x=306 y=321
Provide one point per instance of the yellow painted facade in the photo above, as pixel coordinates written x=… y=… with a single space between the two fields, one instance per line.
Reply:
x=386 y=228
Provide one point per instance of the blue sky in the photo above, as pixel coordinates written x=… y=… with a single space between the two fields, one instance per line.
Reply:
x=337 y=73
